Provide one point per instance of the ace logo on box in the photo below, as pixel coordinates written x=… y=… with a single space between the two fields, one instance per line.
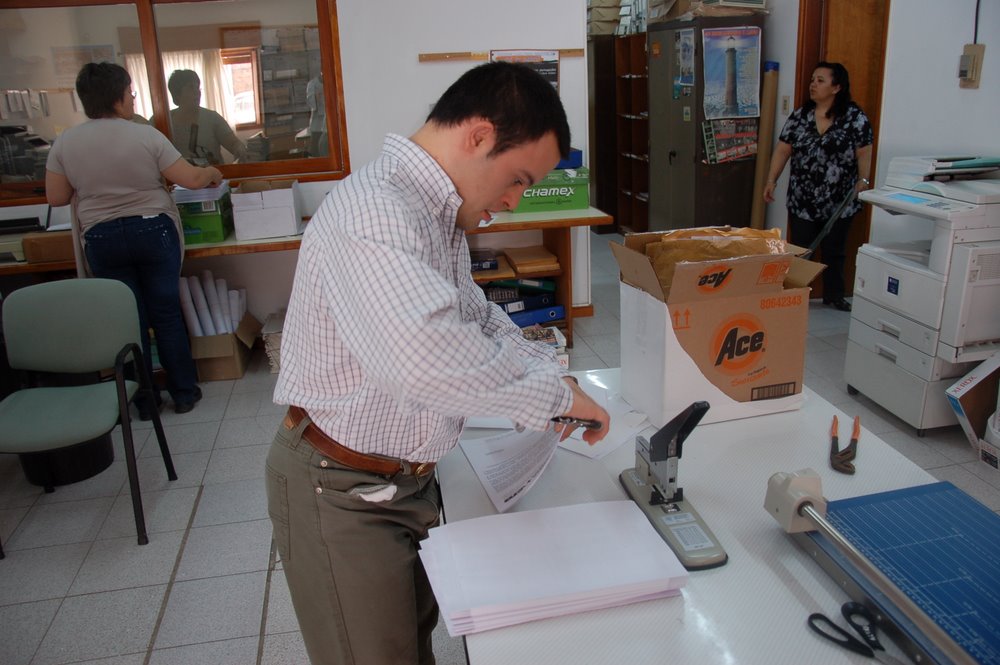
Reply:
x=713 y=278
x=740 y=343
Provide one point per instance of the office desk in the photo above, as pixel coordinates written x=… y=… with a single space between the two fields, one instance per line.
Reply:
x=751 y=610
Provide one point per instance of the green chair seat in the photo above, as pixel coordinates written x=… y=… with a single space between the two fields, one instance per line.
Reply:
x=39 y=419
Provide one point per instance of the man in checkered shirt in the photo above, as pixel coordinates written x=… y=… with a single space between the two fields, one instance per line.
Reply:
x=387 y=346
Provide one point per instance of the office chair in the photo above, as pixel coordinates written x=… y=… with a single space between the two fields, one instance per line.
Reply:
x=82 y=327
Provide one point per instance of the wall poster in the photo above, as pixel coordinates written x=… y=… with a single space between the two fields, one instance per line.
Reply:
x=545 y=63
x=732 y=72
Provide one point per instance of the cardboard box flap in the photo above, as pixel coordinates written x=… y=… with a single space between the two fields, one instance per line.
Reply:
x=248 y=330
x=637 y=270
x=251 y=186
x=974 y=398
x=802 y=272
x=702 y=280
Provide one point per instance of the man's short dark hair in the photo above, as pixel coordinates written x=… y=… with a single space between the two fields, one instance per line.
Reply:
x=180 y=79
x=101 y=85
x=516 y=99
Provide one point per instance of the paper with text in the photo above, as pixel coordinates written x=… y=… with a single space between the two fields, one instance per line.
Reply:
x=508 y=464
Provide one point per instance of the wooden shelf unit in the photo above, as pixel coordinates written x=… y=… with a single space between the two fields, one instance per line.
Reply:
x=632 y=132
x=556 y=237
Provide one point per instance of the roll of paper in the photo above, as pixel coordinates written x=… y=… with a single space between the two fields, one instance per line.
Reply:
x=234 y=308
x=243 y=303
x=223 y=291
x=187 y=307
x=214 y=306
x=201 y=305
x=765 y=135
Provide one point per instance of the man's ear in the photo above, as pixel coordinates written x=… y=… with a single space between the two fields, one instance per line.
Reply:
x=480 y=136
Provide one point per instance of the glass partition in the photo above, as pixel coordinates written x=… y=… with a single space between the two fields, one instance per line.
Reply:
x=237 y=83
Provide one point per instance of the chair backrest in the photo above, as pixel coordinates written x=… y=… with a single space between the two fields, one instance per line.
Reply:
x=70 y=325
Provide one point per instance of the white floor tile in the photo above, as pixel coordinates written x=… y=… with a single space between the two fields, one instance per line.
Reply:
x=225 y=503
x=166 y=510
x=280 y=613
x=285 y=649
x=101 y=625
x=225 y=549
x=230 y=464
x=240 y=651
x=40 y=573
x=22 y=628
x=210 y=610
x=60 y=524
x=120 y=563
x=183 y=438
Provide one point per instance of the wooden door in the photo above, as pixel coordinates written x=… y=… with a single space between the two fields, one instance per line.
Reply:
x=852 y=32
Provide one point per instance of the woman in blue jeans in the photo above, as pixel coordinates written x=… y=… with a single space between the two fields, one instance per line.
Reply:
x=111 y=170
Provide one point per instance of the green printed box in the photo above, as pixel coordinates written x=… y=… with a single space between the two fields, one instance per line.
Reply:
x=561 y=189
x=207 y=221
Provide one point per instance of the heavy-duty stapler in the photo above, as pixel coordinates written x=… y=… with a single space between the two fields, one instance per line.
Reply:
x=652 y=484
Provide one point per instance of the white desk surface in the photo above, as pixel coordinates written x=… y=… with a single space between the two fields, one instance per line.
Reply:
x=751 y=610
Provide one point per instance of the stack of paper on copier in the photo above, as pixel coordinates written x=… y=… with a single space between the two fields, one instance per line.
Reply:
x=506 y=569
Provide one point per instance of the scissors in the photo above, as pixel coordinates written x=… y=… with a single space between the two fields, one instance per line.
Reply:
x=861 y=620
x=841 y=460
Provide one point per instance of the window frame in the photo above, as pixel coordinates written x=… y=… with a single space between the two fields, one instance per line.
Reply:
x=334 y=166
x=247 y=54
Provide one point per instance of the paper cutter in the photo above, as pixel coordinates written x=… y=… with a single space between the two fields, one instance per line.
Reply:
x=940 y=547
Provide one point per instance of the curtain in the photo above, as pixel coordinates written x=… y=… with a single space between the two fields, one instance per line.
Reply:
x=206 y=63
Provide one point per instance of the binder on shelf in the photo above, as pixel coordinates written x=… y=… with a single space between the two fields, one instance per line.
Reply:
x=528 y=303
x=483 y=259
x=544 y=315
x=528 y=285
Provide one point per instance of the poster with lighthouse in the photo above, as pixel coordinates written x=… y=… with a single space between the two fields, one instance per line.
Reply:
x=732 y=72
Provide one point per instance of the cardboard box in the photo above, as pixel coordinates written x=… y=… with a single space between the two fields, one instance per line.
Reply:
x=225 y=356
x=48 y=246
x=560 y=189
x=974 y=399
x=731 y=332
x=660 y=12
x=267 y=209
x=207 y=221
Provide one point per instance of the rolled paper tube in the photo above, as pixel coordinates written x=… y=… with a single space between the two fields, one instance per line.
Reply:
x=214 y=307
x=234 y=308
x=201 y=305
x=187 y=307
x=243 y=303
x=223 y=291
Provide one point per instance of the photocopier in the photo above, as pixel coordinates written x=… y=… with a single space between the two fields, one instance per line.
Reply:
x=927 y=285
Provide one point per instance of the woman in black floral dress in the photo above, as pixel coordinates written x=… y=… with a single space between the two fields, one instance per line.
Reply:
x=829 y=141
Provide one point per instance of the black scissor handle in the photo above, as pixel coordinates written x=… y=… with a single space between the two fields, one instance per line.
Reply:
x=863 y=621
x=831 y=631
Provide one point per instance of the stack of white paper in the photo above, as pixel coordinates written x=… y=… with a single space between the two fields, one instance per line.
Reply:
x=507 y=569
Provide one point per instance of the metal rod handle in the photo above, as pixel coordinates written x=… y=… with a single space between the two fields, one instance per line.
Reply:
x=941 y=639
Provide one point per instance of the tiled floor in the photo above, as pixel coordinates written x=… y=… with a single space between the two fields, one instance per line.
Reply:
x=75 y=587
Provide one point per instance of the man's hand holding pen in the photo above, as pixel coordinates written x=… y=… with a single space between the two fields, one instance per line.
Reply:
x=583 y=412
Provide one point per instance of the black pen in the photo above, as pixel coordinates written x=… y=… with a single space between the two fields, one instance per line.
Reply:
x=580 y=422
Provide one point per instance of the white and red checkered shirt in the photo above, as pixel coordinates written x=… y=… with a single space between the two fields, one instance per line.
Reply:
x=388 y=343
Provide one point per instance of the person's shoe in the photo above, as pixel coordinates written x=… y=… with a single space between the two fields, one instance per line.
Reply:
x=838 y=303
x=184 y=407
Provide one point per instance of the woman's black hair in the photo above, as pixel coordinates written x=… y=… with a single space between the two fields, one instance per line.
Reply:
x=101 y=85
x=517 y=100
x=838 y=76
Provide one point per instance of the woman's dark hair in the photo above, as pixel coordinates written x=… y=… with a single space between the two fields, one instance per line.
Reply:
x=100 y=86
x=180 y=79
x=520 y=104
x=838 y=76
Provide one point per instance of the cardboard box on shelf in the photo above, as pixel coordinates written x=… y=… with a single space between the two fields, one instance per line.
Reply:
x=206 y=214
x=48 y=246
x=267 y=209
x=560 y=189
x=731 y=332
x=220 y=357
x=974 y=398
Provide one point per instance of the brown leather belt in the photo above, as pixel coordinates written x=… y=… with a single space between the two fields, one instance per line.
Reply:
x=384 y=466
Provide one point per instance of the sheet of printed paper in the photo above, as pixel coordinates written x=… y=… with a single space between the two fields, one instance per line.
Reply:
x=508 y=464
